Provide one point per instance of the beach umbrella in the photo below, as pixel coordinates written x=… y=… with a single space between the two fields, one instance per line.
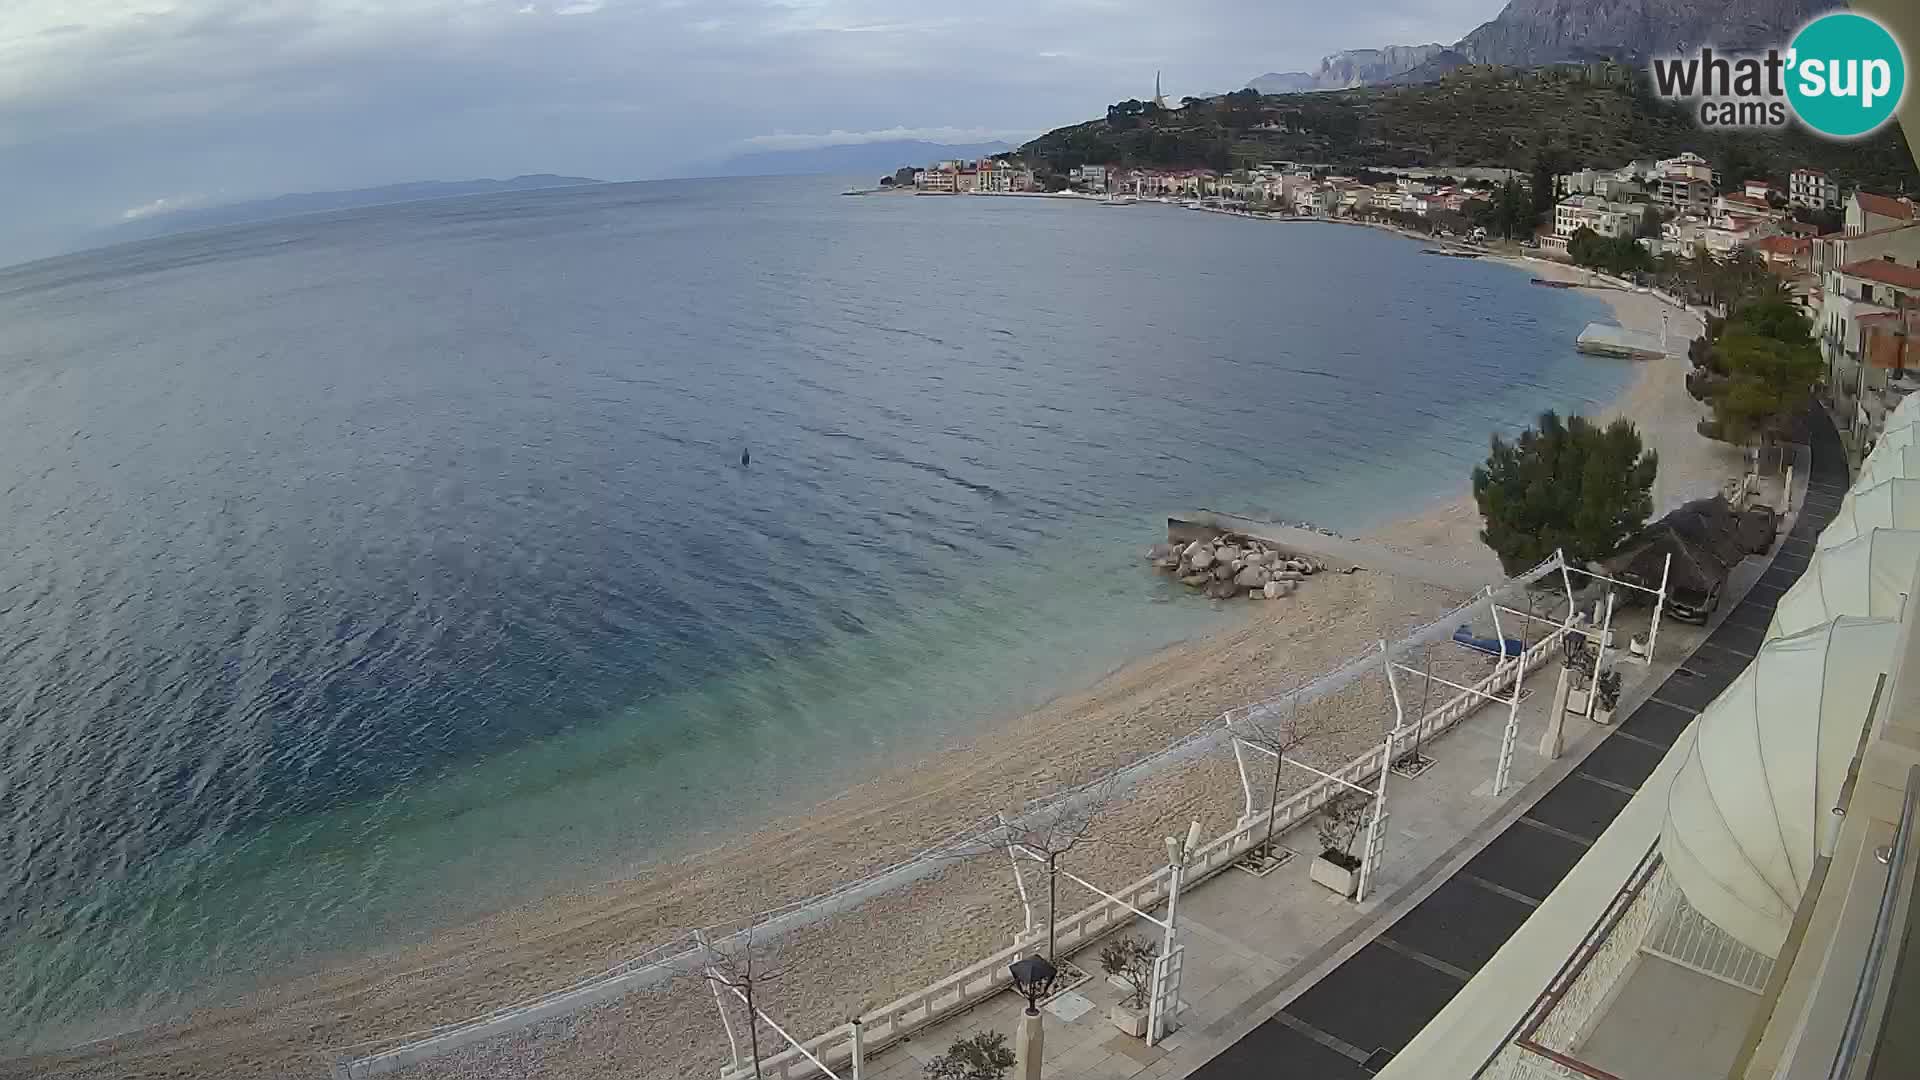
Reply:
x=1750 y=805
x=1871 y=574
x=1890 y=504
x=1889 y=463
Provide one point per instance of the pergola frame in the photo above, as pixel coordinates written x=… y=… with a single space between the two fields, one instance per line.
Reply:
x=717 y=980
x=1163 y=999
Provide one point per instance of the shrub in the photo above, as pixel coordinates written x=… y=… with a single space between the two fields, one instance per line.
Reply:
x=1132 y=960
x=981 y=1056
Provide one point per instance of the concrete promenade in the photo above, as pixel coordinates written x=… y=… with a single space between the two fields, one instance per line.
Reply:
x=1286 y=981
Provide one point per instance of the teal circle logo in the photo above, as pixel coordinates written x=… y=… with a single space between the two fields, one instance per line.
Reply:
x=1846 y=75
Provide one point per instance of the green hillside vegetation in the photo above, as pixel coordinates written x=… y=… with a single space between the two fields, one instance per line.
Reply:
x=1536 y=121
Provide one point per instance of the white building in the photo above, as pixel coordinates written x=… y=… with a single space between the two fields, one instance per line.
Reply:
x=1578 y=212
x=1091 y=177
x=1862 y=276
x=1813 y=188
x=1867 y=212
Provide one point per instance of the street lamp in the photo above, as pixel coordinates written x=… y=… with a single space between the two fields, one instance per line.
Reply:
x=1032 y=977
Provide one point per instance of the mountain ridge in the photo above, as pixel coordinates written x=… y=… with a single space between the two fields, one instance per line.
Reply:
x=1347 y=68
x=1530 y=33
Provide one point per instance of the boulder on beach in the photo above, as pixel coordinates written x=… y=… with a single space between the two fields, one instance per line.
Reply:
x=1223 y=572
x=1227 y=553
x=1194 y=581
x=1221 y=590
x=1251 y=578
x=1271 y=590
x=1202 y=559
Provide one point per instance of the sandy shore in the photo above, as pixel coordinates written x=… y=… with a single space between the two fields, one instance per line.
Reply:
x=896 y=943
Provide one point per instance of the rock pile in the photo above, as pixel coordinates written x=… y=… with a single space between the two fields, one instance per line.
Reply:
x=1231 y=565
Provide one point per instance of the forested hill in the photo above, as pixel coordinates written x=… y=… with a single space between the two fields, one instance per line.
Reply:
x=1473 y=117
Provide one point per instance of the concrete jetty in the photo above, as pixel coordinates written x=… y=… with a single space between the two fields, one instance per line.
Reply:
x=1333 y=552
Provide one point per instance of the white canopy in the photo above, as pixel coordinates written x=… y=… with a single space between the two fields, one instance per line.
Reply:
x=1899 y=429
x=1891 y=459
x=1870 y=574
x=1889 y=504
x=1904 y=414
x=1749 y=806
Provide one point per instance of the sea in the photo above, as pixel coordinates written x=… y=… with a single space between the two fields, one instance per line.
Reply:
x=366 y=572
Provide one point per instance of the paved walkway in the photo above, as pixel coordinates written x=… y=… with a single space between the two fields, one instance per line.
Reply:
x=1349 y=1023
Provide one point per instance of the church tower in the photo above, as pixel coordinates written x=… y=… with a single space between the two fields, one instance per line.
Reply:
x=1158 y=98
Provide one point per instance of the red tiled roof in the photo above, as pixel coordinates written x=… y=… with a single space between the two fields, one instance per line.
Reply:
x=1885 y=206
x=1809 y=172
x=1748 y=201
x=1782 y=245
x=1887 y=273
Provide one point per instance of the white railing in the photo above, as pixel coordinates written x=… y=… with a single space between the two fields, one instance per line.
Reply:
x=962 y=989
x=1684 y=936
x=982 y=979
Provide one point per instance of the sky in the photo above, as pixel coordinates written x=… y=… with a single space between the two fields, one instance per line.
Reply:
x=112 y=109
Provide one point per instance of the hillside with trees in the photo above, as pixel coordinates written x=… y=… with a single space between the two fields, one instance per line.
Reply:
x=1539 y=121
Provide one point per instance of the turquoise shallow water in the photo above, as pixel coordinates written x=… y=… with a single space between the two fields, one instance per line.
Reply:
x=378 y=569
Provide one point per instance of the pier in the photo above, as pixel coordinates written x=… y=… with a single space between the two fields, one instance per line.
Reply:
x=1334 y=552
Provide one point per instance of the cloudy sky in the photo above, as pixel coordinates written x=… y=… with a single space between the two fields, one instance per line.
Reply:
x=116 y=108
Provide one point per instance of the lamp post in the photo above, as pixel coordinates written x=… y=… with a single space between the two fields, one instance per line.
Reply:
x=1032 y=977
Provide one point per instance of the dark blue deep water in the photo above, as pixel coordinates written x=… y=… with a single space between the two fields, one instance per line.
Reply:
x=370 y=569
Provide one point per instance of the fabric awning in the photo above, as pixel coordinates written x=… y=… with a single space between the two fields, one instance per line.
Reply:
x=1871 y=574
x=1889 y=504
x=1749 y=807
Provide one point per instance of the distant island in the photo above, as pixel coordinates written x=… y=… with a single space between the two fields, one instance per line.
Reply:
x=256 y=210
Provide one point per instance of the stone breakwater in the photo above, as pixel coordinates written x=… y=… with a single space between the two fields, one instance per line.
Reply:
x=1230 y=565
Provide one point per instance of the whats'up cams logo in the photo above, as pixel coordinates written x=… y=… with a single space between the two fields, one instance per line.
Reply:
x=1842 y=76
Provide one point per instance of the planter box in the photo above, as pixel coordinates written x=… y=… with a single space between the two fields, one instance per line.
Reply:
x=1334 y=876
x=1602 y=715
x=1131 y=1021
x=1577 y=701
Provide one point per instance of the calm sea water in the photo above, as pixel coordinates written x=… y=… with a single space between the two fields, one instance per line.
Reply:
x=373 y=569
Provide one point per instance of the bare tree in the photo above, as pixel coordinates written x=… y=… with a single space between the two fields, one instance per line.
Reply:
x=1278 y=729
x=1046 y=830
x=740 y=966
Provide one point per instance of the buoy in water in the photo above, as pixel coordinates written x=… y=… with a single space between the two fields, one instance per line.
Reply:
x=745 y=458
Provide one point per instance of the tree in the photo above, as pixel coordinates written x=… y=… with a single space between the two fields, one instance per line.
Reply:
x=980 y=1056
x=1279 y=731
x=1614 y=254
x=1047 y=831
x=1511 y=211
x=740 y=966
x=1572 y=486
x=1548 y=163
x=1766 y=364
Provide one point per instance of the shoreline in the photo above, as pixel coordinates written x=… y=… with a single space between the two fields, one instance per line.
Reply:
x=952 y=917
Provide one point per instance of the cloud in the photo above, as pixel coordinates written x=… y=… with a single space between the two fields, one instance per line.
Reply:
x=161 y=205
x=103 y=102
x=787 y=141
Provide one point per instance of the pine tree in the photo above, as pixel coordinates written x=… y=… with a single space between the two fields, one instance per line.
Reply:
x=1572 y=486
